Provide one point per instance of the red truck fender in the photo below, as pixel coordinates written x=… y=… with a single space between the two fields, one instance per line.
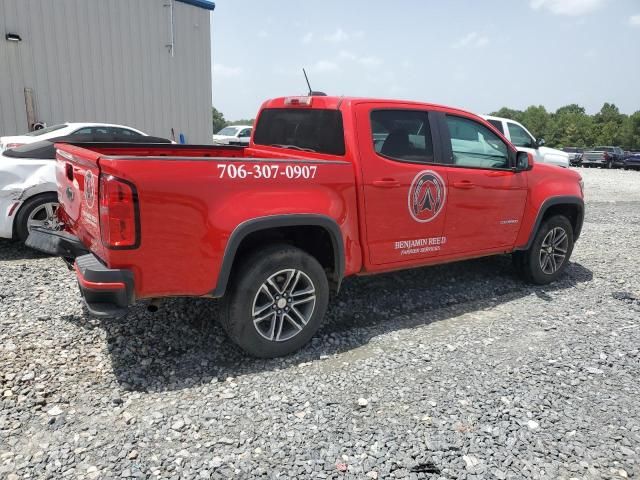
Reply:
x=248 y=227
x=570 y=206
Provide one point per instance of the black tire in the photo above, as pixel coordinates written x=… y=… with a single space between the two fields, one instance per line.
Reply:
x=528 y=263
x=22 y=218
x=244 y=290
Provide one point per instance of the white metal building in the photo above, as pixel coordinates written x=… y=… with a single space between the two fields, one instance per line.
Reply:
x=142 y=63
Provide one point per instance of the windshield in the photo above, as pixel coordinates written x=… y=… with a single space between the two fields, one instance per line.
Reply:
x=315 y=130
x=228 y=131
x=603 y=149
x=42 y=131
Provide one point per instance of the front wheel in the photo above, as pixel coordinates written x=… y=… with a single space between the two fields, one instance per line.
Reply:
x=549 y=254
x=276 y=301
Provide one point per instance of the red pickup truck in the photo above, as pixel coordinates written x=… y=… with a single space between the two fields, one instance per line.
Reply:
x=328 y=187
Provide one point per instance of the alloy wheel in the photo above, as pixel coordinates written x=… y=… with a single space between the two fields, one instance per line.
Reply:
x=553 y=250
x=45 y=216
x=283 y=305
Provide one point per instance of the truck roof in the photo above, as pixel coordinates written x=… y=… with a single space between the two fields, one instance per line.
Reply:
x=335 y=102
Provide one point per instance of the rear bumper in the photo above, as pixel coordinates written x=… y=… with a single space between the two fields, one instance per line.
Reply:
x=106 y=292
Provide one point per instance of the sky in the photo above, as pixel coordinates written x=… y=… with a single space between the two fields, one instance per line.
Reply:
x=476 y=55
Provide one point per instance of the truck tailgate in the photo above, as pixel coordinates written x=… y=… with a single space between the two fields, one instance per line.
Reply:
x=77 y=175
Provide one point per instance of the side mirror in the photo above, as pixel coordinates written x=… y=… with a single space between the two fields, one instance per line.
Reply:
x=540 y=142
x=524 y=161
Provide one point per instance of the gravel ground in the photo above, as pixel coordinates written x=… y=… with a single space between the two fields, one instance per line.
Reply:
x=458 y=371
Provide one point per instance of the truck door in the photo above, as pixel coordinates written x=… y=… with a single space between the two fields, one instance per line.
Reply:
x=404 y=183
x=486 y=197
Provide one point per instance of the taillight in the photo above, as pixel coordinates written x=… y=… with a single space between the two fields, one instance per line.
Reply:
x=119 y=226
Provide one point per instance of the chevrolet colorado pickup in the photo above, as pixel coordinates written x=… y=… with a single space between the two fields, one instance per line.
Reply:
x=328 y=188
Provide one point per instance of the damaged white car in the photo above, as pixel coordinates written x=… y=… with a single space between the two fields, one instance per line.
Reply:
x=28 y=189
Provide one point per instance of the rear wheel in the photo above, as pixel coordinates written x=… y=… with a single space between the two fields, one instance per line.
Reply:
x=549 y=254
x=276 y=301
x=38 y=211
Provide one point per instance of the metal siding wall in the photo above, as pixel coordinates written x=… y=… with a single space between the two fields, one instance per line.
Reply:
x=107 y=61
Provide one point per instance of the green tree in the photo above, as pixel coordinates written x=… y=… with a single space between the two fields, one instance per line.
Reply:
x=572 y=109
x=510 y=113
x=218 y=120
x=570 y=126
x=537 y=119
x=631 y=131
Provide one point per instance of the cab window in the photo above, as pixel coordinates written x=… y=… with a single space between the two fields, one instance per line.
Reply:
x=474 y=145
x=520 y=137
x=315 y=130
x=403 y=135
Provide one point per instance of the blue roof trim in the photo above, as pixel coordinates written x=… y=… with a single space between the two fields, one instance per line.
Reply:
x=200 y=3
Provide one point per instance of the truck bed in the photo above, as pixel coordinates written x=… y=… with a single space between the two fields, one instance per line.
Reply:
x=189 y=200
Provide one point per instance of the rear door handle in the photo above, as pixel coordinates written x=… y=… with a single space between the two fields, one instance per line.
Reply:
x=464 y=184
x=386 y=183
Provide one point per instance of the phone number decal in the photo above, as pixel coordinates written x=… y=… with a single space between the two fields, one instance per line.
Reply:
x=242 y=171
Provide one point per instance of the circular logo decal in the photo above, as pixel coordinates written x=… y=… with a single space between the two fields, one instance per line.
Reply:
x=426 y=196
x=89 y=188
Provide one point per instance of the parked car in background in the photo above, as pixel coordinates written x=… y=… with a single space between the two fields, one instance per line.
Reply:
x=525 y=142
x=63 y=129
x=575 y=155
x=274 y=228
x=605 y=157
x=632 y=161
x=233 y=135
x=28 y=191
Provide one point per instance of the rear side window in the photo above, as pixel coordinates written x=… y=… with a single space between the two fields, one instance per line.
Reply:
x=474 y=145
x=317 y=130
x=497 y=124
x=122 y=132
x=403 y=135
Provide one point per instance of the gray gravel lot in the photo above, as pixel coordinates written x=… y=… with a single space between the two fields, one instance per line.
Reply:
x=458 y=371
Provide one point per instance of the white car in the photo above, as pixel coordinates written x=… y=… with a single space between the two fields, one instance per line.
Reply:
x=522 y=139
x=66 y=129
x=28 y=188
x=233 y=135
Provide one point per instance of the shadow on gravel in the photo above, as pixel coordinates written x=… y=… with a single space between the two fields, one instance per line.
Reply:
x=182 y=345
x=14 y=250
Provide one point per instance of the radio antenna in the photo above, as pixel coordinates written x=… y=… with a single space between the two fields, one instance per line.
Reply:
x=307 y=79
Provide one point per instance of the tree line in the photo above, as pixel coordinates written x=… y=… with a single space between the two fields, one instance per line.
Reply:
x=571 y=126
x=219 y=122
x=568 y=126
